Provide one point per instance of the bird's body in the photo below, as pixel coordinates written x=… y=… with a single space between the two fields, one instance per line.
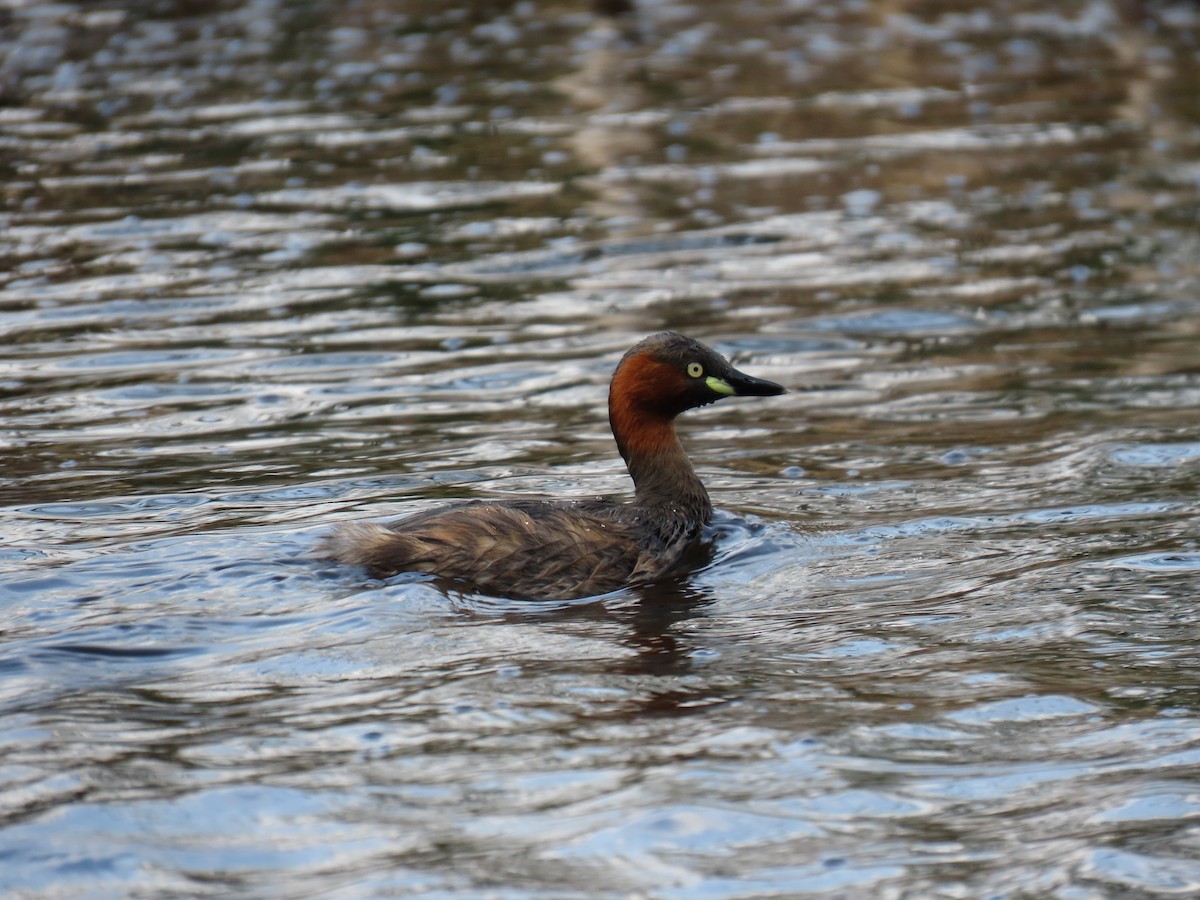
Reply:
x=538 y=549
x=549 y=549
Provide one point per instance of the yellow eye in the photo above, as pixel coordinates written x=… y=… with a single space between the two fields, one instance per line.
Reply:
x=695 y=369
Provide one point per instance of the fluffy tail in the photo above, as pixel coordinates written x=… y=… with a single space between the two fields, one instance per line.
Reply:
x=378 y=548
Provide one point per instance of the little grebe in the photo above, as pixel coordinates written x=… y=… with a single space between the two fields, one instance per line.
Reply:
x=562 y=550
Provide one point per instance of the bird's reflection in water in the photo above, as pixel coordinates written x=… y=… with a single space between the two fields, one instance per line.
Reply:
x=653 y=632
x=649 y=619
x=664 y=652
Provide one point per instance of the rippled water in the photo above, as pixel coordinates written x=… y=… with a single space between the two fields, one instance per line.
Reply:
x=273 y=265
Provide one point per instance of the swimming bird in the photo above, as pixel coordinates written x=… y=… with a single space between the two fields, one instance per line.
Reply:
x=544 y=549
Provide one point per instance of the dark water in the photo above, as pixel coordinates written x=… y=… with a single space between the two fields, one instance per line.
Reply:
x=271 y=265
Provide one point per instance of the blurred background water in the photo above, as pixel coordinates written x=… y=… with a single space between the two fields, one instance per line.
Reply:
x=273 y=264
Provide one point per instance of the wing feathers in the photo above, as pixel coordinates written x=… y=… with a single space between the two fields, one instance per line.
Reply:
x=530 y=549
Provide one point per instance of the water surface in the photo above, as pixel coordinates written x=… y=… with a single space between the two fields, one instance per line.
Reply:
x=270 y=266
